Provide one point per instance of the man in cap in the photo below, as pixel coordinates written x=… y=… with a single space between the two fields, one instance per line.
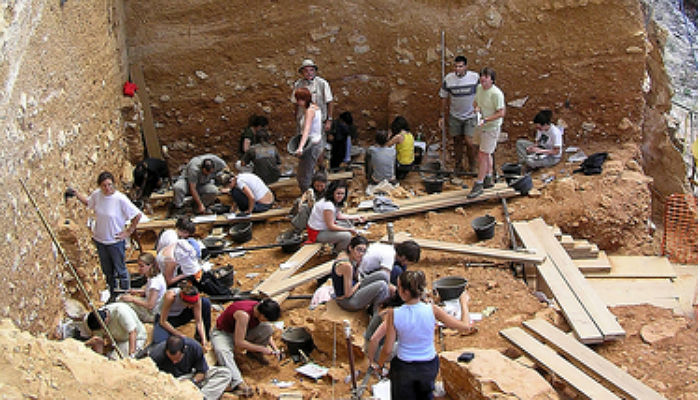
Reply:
x=320 y=93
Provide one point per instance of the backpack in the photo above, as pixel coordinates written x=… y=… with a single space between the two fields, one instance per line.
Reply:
x=593 y=164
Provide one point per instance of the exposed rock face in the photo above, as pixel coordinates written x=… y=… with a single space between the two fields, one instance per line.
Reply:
x=491 y=375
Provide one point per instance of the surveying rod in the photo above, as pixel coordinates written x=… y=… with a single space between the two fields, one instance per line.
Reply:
x=442 y=109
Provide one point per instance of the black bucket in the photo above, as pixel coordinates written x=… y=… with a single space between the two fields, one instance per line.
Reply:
x=450 y=287
x=213 y=243
x=433 y=185
x=241 y=232
x=484 y=227
x=290 y=241
x=522 y=185
x=296 y=339
x=293 y=145
x=224 y=275
x=511 y=169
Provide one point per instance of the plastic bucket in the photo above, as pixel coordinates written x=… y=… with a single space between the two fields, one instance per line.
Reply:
x=241 y=232
x=450 y=287
x=522 y=185
x=433 y=185
x=296 y=339
x=484 y=227
x=293 y=145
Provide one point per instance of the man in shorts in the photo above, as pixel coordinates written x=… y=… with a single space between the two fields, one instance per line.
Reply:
x=458 y=91
x=490 y=102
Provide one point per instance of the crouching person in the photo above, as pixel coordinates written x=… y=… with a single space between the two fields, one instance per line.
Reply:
x=244 y=325
x=250 y=193
x=184 y=359
x=179 y=307
x=128 y=332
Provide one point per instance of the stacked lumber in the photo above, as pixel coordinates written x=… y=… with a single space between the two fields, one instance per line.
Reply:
x=288 y=269
x=584 y=310
x=158 y=224
x=591 y=375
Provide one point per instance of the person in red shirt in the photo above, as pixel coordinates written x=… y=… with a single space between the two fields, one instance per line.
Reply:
x=244 y=325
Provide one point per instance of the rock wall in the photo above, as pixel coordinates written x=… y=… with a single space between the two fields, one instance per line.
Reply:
x=209 y=65
x=61 y=69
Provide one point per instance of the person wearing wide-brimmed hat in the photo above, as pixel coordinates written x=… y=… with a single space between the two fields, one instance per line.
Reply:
x=320 y=93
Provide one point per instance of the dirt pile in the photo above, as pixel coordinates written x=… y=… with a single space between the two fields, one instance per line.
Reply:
x=37 y=368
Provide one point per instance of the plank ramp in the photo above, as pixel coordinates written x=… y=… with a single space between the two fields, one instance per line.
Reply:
x=557 y=365
x=591 y=362
x=285 y=285
x=293 y=264
x=574 y=312
x=500 y=254
x=594 y=305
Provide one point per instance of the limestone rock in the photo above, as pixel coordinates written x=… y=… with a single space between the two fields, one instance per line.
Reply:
x=493 y=18
x=491 y=375
x=661 y=329
x=332 y=319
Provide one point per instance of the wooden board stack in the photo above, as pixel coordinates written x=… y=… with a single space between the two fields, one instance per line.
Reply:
x=588 y=373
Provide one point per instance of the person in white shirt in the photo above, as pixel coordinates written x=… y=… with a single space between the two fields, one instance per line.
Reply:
x=311 y=143
x=124 y=325
x=109 y=233
x=327 y=224
x=250 y=193
x=146 y=301
x=547 y=148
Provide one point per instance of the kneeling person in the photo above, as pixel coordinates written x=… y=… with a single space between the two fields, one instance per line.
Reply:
x=244 y=325
x=124 y=325
x=183 y=358
x=390 y=261
x=250 y=193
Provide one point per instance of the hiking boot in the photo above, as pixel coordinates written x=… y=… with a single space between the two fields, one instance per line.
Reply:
x=476 y=190
x=488 y=181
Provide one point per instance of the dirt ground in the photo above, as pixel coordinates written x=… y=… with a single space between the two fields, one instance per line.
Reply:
x=620 y=228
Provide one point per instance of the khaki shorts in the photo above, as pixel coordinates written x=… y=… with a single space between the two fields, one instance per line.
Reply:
x=488 y=140
x=458 y=127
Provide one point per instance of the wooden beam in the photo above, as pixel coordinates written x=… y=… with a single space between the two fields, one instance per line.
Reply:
x=636 y=267
x=596 y=308
x=500 y=254
x=574 y=312
x=600 y=264
x=217 y=220
x=658 y=292
x=424 y=204
x=293 y=264
x=603 y=370
x=149 y=129
x=557 y=365
x=299 y=279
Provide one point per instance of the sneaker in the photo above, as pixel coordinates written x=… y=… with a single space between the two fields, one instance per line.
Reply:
x=476 y=190
x=488 y=181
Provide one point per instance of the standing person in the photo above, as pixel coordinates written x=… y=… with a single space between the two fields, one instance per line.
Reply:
x=197 y=181
x=184 y=359
x=546 y=151
x=350 y=293
x=413 y=370
x=249 y=193
x=458 y=90
x=264 y=158
x=342 y=132
x=179 y=307
x=312 y=133
x=403 y=139
x=146 y=302
x=490 y=102
x=324 y=226
x=245 y=325
x=112 y=210
x=124 y=325
x=320 y=91
x=380 y=161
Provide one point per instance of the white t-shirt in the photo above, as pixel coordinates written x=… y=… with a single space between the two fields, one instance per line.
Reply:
x=316 y=131
x=316 y=220
x=158 y=284
x=378 y=256
x=111 y=214
x=550 y=139
x=122 y=320
x=254 y=183
x=461 y=91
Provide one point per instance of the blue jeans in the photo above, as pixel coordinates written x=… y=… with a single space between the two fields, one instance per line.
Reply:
x=187 y=315
x=242 y=202
x=113 y=265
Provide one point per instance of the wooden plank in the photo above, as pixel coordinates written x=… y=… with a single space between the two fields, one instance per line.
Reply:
x=618 y=292
x=592 y=363
x=599 y=264
x=594 y=305
x=574 y=312
x=220 y=220
x=557 y=365
x=637 y=267
x=149 y=129
x=299 y=279
x=293 y=263
x=500 y=254
x=429 y=205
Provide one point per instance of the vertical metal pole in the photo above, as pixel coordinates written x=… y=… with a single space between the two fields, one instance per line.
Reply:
x=443 y=153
